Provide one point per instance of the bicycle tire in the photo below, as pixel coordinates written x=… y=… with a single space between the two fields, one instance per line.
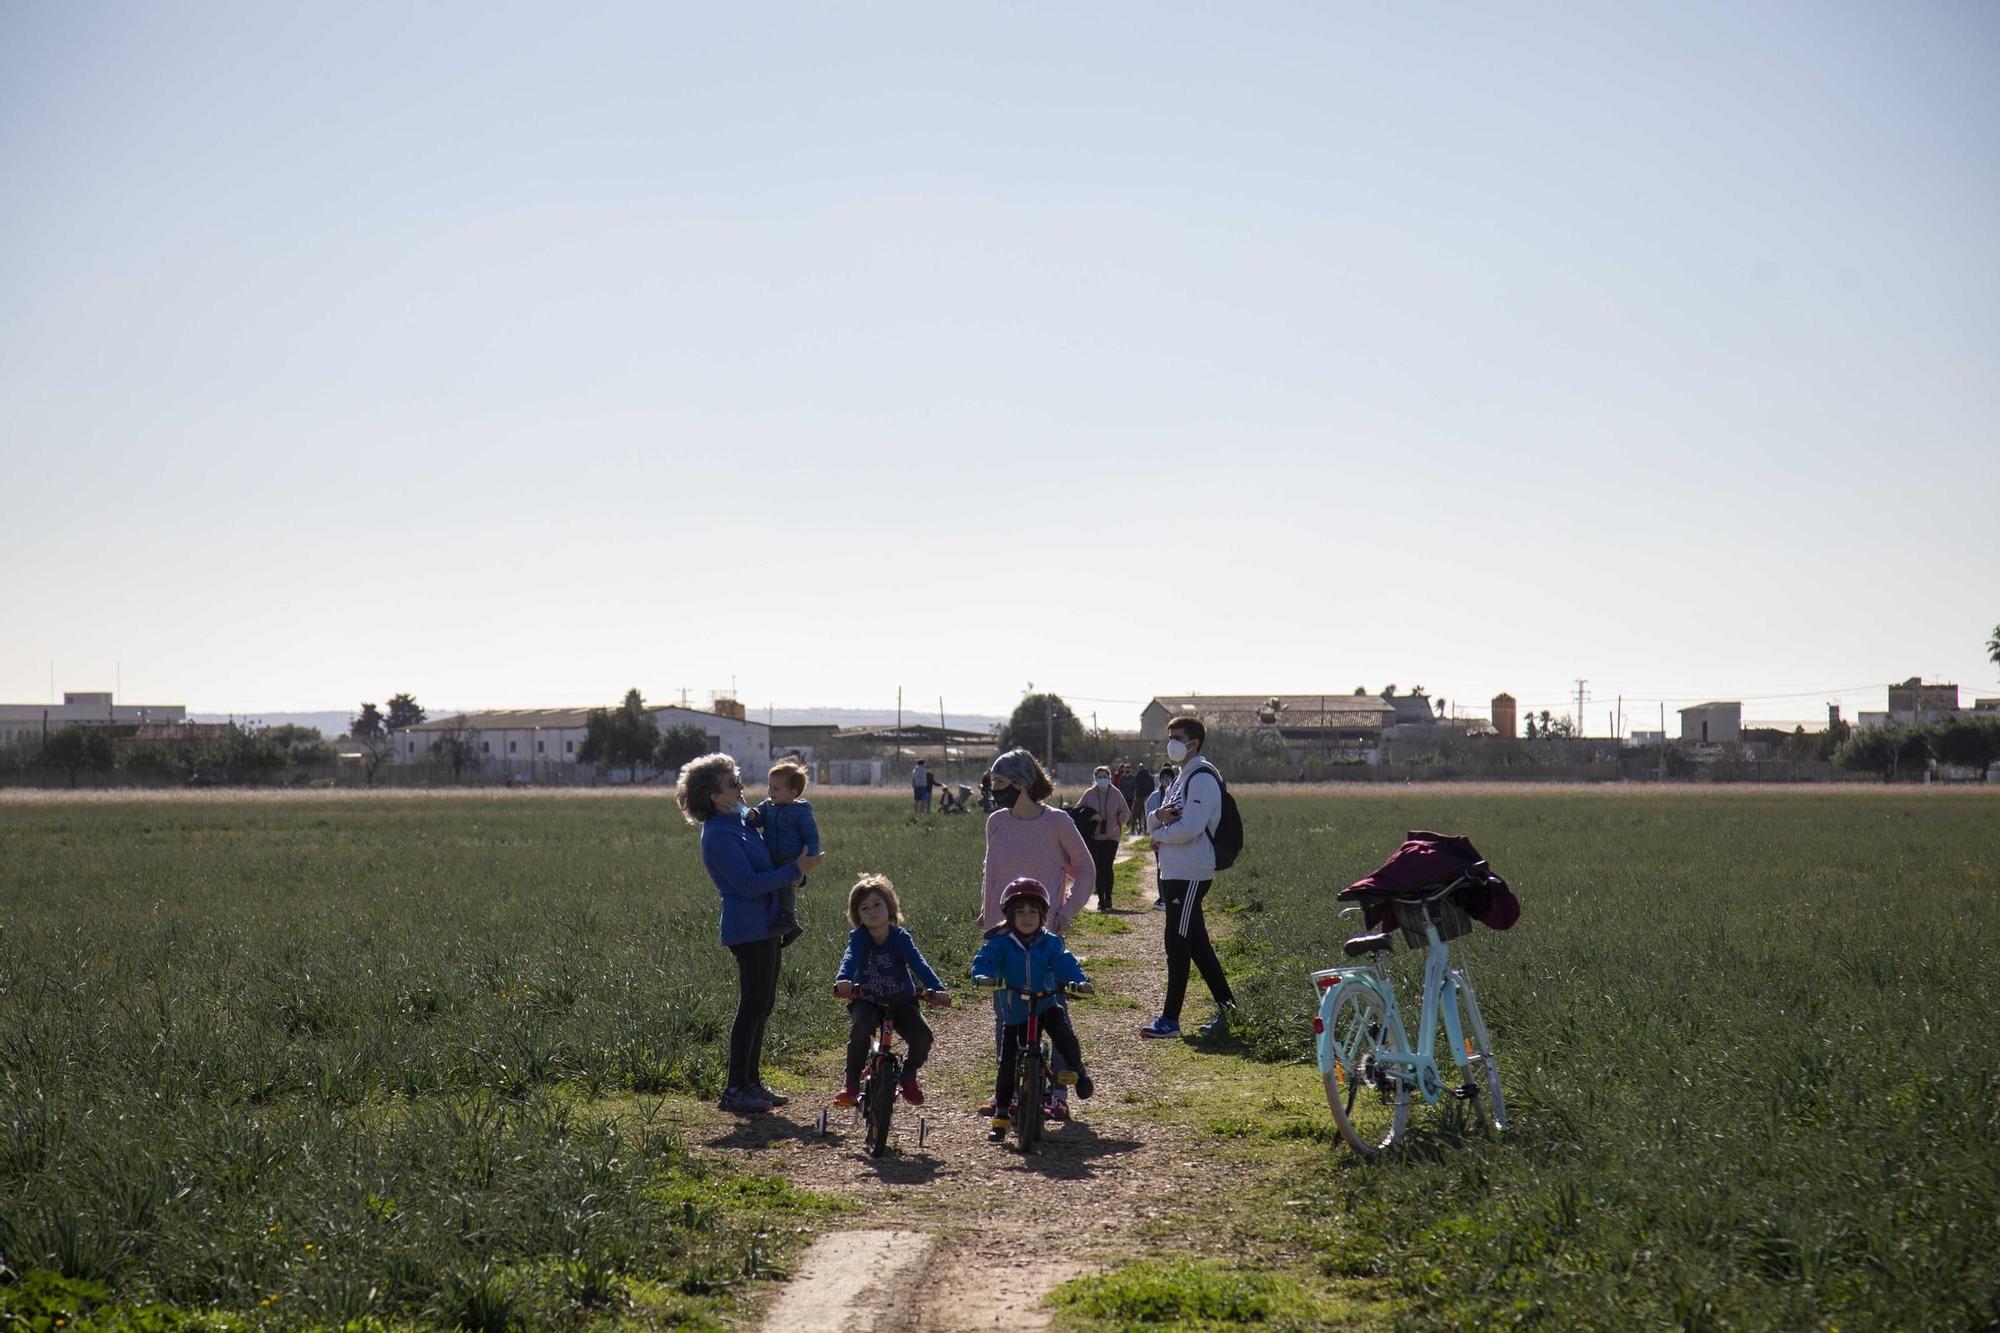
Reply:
x=1370 y=1106
x=1028 y=1103
x=881 y=1104
x=1480 y=1061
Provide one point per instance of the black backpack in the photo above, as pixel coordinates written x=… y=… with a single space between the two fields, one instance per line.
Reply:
x=1228 y=836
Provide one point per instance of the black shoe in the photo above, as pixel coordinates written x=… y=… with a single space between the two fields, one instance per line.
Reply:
x=998 y=1133
x=789 y=934
x=1084 y=1085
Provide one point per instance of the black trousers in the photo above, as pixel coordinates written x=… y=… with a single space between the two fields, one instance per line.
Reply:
x=1102 y=852
x=1187 y=942
x=756 y=994
x=910 y=1026
x=1055 y=1022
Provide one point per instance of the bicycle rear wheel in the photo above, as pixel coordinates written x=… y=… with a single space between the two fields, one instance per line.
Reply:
x=1028 y=1102
x=880 y=1105
x=1370 y=1104
x=1480 y=1063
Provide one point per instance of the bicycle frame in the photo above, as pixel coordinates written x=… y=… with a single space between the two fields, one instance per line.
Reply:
x=882 y=1062
x=1443 y=986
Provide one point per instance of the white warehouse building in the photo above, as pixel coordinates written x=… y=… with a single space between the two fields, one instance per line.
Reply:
x=525 y=742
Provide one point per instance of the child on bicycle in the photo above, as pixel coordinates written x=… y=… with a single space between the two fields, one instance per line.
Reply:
x=1026 y=957
x=875 y=975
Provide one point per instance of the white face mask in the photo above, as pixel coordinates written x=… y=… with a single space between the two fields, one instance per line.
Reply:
x=741 y=810
x=1177 y=751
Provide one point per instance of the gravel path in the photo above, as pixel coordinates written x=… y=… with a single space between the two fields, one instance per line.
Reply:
x=995 y=1228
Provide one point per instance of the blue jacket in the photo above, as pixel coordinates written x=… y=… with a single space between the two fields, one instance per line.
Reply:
x=744 y=876
x=1043 y=963
x=788 y=830
x=883 y=970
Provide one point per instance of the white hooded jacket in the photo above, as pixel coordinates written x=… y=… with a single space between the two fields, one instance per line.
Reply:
x=1186 y=846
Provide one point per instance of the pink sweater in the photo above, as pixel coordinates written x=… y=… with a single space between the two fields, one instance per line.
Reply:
x=1047 y=847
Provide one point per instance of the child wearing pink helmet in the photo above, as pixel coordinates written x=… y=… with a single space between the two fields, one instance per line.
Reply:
x=1026 y=957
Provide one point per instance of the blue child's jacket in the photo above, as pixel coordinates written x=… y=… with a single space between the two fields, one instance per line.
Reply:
x=1043 y=963
x=883 y=970
x=788 y=830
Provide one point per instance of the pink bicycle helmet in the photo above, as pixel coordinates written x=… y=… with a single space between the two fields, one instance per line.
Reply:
x=1027 y=886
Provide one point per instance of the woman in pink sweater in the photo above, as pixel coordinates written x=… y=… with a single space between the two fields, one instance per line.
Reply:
x=1026 y=837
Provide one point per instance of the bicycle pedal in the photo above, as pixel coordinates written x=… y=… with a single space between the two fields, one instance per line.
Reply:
x=1466 y=1093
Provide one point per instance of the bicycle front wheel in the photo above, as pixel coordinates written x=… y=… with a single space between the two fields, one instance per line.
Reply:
x=1480 y=1063
x=1370 y=1104
x=881 y=1104
x=1028 y=1105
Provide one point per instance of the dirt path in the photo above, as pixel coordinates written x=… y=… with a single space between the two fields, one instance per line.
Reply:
x=1002 y=1228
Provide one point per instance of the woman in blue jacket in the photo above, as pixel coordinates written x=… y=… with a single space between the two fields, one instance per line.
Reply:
x=710 y=794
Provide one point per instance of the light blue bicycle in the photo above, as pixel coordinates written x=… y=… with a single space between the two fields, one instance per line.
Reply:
x=1366 y=1059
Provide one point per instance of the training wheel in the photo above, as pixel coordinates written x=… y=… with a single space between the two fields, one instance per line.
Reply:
x=923 y=1130
x=819 y=1123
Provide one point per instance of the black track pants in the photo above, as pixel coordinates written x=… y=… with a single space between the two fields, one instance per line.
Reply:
x=1187 y=942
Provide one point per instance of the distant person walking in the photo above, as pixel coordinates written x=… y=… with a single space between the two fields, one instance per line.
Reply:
x=921 y=783
x=1025 y=838
x=1141 y=800
x=1108 y=804
x=1153 y=799
x=710 y=794
x=1183 y=826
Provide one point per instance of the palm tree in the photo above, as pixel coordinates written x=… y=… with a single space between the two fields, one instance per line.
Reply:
x=1993 y=646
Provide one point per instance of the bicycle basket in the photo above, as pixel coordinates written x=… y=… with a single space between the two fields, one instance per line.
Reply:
x=1450 y=915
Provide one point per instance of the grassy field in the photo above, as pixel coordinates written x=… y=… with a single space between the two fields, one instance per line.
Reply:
x=388 y=1061
x=390 y=1058
x=1747 y=1038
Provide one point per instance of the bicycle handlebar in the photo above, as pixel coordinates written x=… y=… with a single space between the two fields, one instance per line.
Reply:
x=1067 y=988
x=937 y=999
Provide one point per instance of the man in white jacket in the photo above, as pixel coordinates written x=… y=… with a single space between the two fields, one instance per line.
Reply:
x=1183 y=828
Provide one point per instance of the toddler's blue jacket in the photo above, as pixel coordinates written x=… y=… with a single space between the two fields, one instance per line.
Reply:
x=1043 y=963
x=788 y=830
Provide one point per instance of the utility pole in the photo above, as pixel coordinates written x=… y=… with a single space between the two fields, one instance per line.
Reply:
x=1663 y=741
x=899 y=726
x=1052 y=734
x=1579 y=706
x=944 y=747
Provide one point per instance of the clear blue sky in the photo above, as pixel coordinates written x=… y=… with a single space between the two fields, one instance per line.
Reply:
x=513 y=357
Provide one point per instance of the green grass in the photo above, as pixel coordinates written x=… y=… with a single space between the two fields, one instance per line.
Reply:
x=397 y=1059
x=1190 y=1294
x=1746 y=1039
x=397 y=1063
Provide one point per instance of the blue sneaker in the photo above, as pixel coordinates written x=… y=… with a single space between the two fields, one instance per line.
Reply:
x=1161 y=1027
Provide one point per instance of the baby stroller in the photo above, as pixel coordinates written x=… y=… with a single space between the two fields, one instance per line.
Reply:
x=953 y=800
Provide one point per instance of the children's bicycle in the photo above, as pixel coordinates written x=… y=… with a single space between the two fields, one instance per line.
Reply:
x=1366 y=1060
x=1031 y=1060
x=881 y=1075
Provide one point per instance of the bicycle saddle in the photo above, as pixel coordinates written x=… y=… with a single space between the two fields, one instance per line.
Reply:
x=1362 y=945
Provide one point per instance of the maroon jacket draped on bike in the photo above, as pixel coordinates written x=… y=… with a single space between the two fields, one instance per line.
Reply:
x=1429 y=861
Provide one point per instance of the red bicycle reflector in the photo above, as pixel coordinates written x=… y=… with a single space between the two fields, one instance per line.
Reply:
x=1319 y=1024
x=1328 y=983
